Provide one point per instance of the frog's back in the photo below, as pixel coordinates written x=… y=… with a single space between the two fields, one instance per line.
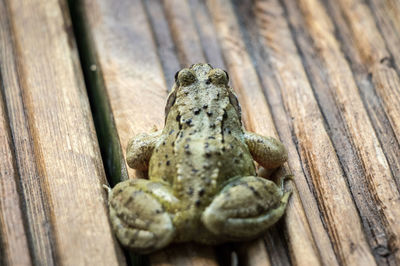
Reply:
x=202 y=144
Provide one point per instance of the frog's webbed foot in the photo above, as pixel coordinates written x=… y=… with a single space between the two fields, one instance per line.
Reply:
x=138 y=214
x=245 y=208
x=139 y=150
x=267 y=151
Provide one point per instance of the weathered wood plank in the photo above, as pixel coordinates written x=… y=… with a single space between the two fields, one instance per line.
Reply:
x=387 y=84
x=180 y=21
x=35 y=207
x=58 y=159
x=346 y=152
x=340 y=83
x=372 y=64
x=387 y=16
x=207 y=35
x=165 y=45
x=133 y=80
x=135 y=88
x=13 y=239
x=375 y=75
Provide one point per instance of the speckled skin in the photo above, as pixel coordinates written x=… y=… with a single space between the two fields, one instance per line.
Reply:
x=203 y=185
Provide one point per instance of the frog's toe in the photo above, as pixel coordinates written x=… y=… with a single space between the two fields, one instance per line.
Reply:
x=245 y=208
x=139 y=220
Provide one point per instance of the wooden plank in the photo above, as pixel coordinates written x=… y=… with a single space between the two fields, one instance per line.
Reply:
x=32 y=198
x=387 y=17
x=180 y=21
x=387 y=84
x=207 y=35
x=338 y=79
x=57 y=154
x=372 y=64
x=376 y=77
x=374 y=57
x=13 y=240
x=133 y=82
x=338 y=132
x=165 y=45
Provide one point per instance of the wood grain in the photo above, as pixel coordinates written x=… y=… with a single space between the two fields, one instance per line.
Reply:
x=13 y=239
x=58 y=160
x=387 y=19
x=374 y=56
x=376 y=76
x=207 y=35
x=378 y=85
x=323 y=76
x=133 y=80
x=165 y=45
x=33 y=201
x=339 y=79
x=180 y=20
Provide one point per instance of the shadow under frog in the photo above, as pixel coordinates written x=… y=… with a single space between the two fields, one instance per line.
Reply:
x=202 y=183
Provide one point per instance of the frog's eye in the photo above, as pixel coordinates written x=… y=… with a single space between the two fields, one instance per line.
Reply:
x=218 y=76
x=186 y=77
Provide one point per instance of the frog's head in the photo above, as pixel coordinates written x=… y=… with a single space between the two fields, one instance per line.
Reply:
x=201 y=76
x=201 y=73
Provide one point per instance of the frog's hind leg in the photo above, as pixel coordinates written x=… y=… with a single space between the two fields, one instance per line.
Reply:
x=245 y=208
x=139 y=217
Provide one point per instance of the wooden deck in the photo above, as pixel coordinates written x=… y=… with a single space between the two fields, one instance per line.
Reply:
x=79 y=78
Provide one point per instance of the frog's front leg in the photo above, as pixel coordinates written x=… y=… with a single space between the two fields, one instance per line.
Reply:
x=139 y=150
x=245 y=208
x=139 y=214
x=267 y=151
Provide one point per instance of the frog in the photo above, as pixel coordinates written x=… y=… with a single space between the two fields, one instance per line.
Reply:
x=202 y=183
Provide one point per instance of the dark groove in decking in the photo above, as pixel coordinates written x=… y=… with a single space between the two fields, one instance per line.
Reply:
x=106 y=132
x=165 y=45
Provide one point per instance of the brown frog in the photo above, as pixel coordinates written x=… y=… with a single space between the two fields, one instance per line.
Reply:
x=202 y=183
